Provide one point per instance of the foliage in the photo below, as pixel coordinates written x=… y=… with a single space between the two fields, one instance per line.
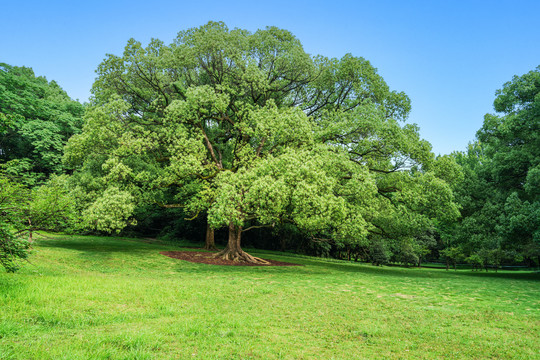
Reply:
x=53 y=206
x=110 y=211
x=14 y=200
x=452 y=256
x=252 y=131
x=498 y=195
x=24 y=211
x=36 y=119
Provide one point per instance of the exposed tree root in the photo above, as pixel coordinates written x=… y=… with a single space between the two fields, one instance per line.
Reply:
x=240 y=256
x=233 y=251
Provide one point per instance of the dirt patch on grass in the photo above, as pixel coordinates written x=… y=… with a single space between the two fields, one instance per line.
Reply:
x=204 y=257
x=404 y=296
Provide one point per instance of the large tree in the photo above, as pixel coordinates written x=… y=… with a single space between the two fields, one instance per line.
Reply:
x=499 y=195
x=36 y=119
x=220 y=121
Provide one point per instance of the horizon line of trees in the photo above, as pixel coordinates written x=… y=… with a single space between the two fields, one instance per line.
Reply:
x=244 y=138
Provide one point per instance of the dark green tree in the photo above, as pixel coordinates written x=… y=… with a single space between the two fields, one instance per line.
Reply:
x=14 y=200
x=36 y=119
x=499 y=195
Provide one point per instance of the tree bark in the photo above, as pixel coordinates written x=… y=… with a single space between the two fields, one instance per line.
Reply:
x=282 y=243
x=233 y=250
x=30 y=234
x=209 y=243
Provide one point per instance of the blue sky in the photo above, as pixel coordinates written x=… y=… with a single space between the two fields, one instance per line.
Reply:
x=449 y=56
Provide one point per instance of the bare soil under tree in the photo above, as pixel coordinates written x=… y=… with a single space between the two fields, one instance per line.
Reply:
x=204 y=257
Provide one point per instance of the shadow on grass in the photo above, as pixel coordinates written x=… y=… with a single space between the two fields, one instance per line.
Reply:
x=311 y=267
x=514 y=275
x=424 y=273
x=98 y=244
x=321 y=266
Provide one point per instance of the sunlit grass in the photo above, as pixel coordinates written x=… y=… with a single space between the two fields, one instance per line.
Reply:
x=113 y=298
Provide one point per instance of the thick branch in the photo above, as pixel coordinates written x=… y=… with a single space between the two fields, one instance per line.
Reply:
x=258 y=227
x=259 y=149
x=211 y=149
x=194 y=217
x=170 y=206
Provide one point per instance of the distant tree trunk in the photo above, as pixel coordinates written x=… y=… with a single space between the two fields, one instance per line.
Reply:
x=209 y=243
x=282 y=242
x=447 y=265
x=233 y=250
x=30 y=234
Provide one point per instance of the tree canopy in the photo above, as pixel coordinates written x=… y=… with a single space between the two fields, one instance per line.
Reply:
x=499 y=195
x=14 y=199
x=36 y=119
x=245 y=131
x=251 y=130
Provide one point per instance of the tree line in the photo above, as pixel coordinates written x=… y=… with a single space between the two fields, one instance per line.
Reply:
x=246 y=137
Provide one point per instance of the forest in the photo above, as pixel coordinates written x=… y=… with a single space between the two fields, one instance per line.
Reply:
x=238 y=139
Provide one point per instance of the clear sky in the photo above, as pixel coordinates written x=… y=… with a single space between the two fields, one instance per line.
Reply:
x=449 y=56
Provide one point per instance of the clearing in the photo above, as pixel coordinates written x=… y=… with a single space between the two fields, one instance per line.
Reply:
x=117 y=298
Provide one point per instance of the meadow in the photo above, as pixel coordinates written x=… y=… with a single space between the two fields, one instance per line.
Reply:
x=117 y=298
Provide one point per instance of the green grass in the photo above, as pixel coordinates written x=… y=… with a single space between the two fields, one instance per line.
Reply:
x=114 y=298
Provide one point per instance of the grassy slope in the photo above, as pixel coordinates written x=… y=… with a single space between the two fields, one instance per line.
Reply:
x=111 y=298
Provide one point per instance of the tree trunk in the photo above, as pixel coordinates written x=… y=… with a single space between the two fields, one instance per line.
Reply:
x=234 y=252
x=209 y=243
x=282 y=243
x=30 y=234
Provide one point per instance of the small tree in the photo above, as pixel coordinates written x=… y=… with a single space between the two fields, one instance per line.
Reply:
x=24 y=211
x=14 y=200
x=476 y=261
x=452 y=256
x=379 y=253
x=408 y=252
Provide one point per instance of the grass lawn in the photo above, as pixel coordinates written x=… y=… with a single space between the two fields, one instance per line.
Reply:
x=115 y=298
